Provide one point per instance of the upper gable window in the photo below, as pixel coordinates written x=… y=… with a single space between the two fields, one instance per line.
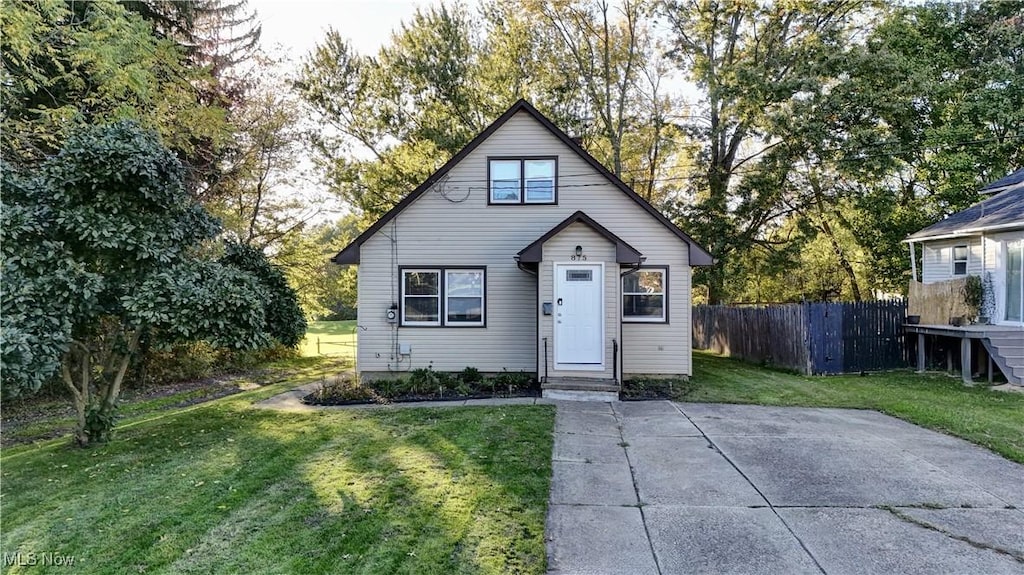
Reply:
x=522 y=180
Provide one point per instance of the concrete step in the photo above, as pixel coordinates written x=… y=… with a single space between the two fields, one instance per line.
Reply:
x=580 y=395
x=581 y=384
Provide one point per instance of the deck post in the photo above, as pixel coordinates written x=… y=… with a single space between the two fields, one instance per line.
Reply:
x=913 y=262
x=920 y=353
x=965 y=360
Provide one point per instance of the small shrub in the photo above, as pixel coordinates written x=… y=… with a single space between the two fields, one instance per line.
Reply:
x=389 y=388
x=656 y=388
x=471 y=375
x=463 y=388
x=342 y=388
x=510 y=381
x=974 y=293
x=423 y=381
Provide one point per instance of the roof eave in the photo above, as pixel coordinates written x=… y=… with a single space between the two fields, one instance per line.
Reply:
x=698 y=256
x=347 y=256
x=624 y=253
x=965 y=233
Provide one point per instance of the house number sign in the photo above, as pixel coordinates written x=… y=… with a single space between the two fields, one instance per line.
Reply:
x=578 y=258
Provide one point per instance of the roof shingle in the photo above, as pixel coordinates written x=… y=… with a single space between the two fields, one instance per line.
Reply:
x=998 y=211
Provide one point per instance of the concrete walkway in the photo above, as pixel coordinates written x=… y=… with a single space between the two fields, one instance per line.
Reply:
x=658 y=487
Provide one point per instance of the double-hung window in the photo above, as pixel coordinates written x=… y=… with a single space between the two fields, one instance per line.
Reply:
x=960 y=260
x=522 y=180
x=644 y=296
x=451 y=297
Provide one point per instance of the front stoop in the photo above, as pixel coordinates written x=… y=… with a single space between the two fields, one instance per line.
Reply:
x=580 y=389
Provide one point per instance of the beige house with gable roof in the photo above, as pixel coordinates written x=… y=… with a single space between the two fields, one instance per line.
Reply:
x=524 y=253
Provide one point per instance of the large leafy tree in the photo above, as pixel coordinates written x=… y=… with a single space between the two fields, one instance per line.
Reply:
x=323 y=288
x=903 y=130
x=749 y=60
x=217 y=41
x=393 y=118
x=102 y=247
x=283 y=318
x=71 y=64
x=264 y=196
x=936 y=97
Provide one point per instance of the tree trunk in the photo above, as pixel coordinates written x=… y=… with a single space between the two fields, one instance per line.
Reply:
x=104 y=401
x=79 y=398
x=844 y=262
x=110 y=401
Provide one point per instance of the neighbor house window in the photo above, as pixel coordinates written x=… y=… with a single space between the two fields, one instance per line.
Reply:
x=438 y=296
x=644 y=295
x=959 y=260
x=522 y=180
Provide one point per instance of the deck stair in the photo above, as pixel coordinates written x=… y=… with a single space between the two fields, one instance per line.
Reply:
x=580 y=389
x=1007 y=351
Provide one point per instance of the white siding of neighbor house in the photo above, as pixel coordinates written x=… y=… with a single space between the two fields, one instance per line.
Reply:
x=987 y=254
x=452 y=225
x=994 y=252
x=598 y=250
x=937 y=264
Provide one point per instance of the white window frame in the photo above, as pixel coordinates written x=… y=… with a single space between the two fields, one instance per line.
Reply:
x=663 y=270
x=527 y=180
x=443 y=296
x=490 y=181
x=522 y=198
x=440 y=290
x=483 y=298
x=965 y=260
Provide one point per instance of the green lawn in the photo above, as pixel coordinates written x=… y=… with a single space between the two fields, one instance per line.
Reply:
x=337 y=338
x=993 y=419
x=223 y=487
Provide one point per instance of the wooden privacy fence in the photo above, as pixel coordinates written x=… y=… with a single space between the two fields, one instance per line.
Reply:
x=812 y=338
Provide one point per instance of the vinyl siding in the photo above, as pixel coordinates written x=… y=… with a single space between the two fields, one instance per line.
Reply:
x=995 y=246
x=938 y=259
x=452 y=225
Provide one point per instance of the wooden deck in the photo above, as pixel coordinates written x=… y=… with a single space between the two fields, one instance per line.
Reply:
x=966 y=334
x=974 y=331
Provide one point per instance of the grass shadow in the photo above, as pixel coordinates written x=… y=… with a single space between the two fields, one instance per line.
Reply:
x=224 y=487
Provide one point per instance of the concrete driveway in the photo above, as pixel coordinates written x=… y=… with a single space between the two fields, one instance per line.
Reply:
x=658 y=487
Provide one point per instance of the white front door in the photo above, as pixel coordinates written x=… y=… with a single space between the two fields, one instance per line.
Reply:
x=579 y=315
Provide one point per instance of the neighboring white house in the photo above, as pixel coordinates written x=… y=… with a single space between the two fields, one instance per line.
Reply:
x=986 y=239
x=523 y=253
